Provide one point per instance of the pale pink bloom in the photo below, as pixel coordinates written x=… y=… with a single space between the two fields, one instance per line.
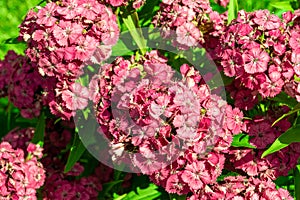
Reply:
x=77 y=97
x=85 y=48
x=256 y=60
x=66 y=33
x=188 y=34
x=46 y=15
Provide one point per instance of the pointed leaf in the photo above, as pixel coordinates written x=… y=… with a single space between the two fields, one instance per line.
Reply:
x=148 y=193
x=39 y=132
x=232 y=10
x=131 y=22
x=241 y=140
x=296 y=109
x=290 y=136
x=76 y=152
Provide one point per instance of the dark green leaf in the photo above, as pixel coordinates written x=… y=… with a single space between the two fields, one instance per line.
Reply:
x=177 y=197
x=11 y=41
x=284 y=99
x=39 y=132
x=76 y=152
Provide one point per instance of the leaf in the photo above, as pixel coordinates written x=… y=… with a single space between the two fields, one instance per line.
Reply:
x=284 y=140
x=241 y=140
x=131 y=22
x=282 y=5
x=296 y=109
x=148 y=193
x=283 y=98
x=119 y=197
x=120 y=49
x=76 y=152
x=39 y=132
x=233 y=9
x=177 y=197
x=11 y=41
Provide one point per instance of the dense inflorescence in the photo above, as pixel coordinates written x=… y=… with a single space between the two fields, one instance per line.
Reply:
x=262 y=135
x=148 y=116
x=164 y=124
x=194 y=23
x=136 y=4
x=24 y=86
x=56 y=184
x=258 y=50
x=62 y=37
x=20 y=176
x=242 y=188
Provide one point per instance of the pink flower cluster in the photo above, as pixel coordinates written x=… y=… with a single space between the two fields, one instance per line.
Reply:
x=56 y=184
x=174 y=131
x=242 y=188
x=136 y=4
x=20 y=177
x=223 y=3
x=193 y=22
x=19 y=138
x=62 y=37
x=262 y=135
x=24 y=86
x=256 y=49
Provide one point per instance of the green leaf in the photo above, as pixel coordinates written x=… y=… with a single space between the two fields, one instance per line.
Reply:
x=296 y=109
x=131 y=21
x=119 y=197
x=177 y=197
x=290 y=136
x=11 y=41
x=148 y=193
x=233 y=9
x=241 y=140
x=39 y=132
x=284 y=99
x=282 y=5
x=76 y=152
x=120 y=49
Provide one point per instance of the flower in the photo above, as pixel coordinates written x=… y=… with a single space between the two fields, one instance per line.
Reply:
x=256 y=60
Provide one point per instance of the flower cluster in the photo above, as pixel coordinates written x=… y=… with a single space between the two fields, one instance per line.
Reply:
x=193 y=22
x=62 y=37
x=136 y=4
x=262 y=135
x=24 y=86
x=223 y=3
x=255 y=49
x=56 y=184
x=20 y=177
x=174 y=131
x=242 y=188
